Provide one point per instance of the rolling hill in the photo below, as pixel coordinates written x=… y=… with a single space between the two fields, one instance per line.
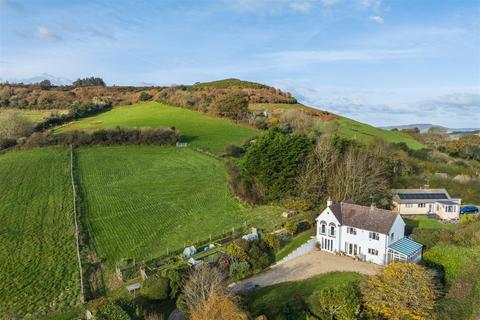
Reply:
x=198 y=129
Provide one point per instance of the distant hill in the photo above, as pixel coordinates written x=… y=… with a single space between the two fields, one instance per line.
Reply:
x=423 y=127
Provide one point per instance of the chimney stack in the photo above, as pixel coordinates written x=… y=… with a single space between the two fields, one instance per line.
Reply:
x=329 y=202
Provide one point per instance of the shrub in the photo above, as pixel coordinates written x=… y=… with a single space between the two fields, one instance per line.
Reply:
x=342 y=303
x=233 y=249
x=231 y=105
x=112 y=312
x=430 y=237
x=156 y=288
x=234 y=151
x=272 y=241
x=239 y=270
x=144 y=96
x=390 y=294
x=291 y=227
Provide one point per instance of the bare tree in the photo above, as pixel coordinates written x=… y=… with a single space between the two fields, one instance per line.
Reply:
x=358 y=177
x=312 y=183
x=206 y=296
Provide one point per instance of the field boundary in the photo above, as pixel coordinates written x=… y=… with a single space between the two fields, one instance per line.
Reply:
x=74 y=189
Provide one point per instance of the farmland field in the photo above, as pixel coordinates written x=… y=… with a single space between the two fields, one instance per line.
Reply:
x=198 y=129
x=38 y=264
x=141 y=200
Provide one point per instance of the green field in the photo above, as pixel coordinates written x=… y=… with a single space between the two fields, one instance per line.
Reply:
x=198 y=129
x=271 y=300
x=38 y=263
x=428 y=223
x=365 y=133
x=141 y=200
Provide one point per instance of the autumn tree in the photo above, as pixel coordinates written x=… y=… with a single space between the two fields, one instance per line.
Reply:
x=231 y=105
x=402 y=291
x=205 y=296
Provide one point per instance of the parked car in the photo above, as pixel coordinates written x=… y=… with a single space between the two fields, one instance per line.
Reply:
x=469 y=210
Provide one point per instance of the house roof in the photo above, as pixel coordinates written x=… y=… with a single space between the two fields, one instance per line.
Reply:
x=419 y=195
x=405 y=246
x=367 y=218
x=449 y=203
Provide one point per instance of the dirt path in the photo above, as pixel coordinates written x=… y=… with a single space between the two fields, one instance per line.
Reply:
x=306 y=266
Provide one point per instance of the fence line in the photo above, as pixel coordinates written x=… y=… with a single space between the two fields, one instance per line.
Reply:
x=82 y=293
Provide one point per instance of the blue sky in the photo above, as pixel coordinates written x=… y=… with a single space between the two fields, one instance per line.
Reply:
x=380 y=62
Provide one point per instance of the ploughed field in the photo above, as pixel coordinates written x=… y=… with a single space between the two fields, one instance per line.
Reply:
x=38 y=263
x=198 y=129
x=140 y=201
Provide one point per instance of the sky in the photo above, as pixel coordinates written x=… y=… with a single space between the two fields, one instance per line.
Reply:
x=379 y=62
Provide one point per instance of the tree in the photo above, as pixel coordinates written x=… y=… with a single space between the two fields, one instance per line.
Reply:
x=86 y=82
x=206 y=296
x=358 y=177
x=45 y=84
x=231 y=105
x=275 y=159
x=340 y=303
x=403 y=290
x=234 y=250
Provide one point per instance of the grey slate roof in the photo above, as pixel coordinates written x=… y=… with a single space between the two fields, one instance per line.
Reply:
x=366 y=218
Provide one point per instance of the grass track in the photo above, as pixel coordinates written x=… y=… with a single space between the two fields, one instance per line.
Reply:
x=141 y=200
x=38 y=266
x=199 y=129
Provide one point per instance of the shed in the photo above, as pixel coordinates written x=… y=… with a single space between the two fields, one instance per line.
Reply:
x=133 y=287
x=405 y=250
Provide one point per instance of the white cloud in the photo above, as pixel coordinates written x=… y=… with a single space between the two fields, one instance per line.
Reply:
x=43 y=33
x=377 y=19
x=296 y=58
x=302 y=7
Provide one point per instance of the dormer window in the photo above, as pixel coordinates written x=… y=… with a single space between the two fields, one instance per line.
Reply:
x=351 y=230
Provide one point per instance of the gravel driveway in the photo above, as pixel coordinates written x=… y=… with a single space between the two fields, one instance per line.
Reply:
x=306 y=266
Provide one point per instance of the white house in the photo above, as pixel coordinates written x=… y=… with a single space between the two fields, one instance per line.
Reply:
x=371 y=234
x=426 y=201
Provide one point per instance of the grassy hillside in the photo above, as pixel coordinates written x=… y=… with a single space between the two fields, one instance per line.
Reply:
x=346 y=127
x=199 y=130
x=34 y=115
x=38 y=263
x=139 y=201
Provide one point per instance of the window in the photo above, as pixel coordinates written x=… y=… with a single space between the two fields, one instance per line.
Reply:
x=323 y=228
x=392 y=235
x=450 y=209
x=421 y=205
x=373 y=252
x=408 y=205
x=351 y=230
x=373 y=235
x=331 y=230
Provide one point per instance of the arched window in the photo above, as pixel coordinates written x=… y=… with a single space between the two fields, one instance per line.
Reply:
x=331 y=230
x=323 y=227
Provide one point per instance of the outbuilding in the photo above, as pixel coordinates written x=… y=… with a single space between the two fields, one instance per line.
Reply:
x=405 y=250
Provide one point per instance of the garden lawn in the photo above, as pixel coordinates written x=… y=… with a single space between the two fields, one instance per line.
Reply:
x=198 y=129
x=428 y=223
x=140 y=201
x=38 y=263
x=451 y=258
x=270 y=300
x=296 y=242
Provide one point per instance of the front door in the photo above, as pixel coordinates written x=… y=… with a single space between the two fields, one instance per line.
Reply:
x=352 y=249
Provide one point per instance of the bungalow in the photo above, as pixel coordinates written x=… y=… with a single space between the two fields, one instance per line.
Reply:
x=368 y=233
x=426 y=201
